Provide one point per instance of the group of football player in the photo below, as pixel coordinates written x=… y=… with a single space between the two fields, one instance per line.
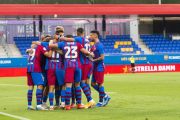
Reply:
x=64 y=65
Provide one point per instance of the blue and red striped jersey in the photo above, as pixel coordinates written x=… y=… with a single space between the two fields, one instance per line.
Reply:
x=56 y=61
x=71 y=51
x=98 y=49
x=34 y=59
x=86 y=45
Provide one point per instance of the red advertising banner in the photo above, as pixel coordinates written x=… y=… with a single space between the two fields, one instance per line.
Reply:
x=148 y=68
x=110 y=69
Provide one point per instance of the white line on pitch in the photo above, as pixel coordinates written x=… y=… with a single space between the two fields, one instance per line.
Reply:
x=15 y=85
x=12 y=97
x=9 y=115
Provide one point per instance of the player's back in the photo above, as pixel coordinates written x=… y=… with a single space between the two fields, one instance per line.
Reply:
x=34 y=60
x=56 y=61
x=86 y=45
x=71 y=52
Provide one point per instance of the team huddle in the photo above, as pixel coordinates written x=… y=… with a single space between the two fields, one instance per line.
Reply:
x=64 y=64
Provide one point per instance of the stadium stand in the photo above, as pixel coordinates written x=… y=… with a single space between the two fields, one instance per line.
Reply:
x=114 y=45
x=24 y=43
x=2 y=52
x=120 y=44
x=160 y=45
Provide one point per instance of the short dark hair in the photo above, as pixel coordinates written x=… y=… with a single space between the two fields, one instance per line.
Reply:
x=96 y=32
x=80 y=30
x=47 y=36
x=69 y=36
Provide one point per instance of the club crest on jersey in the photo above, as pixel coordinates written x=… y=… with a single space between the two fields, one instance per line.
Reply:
x=44 y=48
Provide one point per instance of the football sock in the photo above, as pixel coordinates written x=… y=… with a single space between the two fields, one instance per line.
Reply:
x=89 y=88
x=96 y=87
x=68 y=95
x=51 y=98
x=86 y=91
x=78 y=94
x=38 y=96
x=45 y=99
x=73 y=95
x=63 y=95
x=57 y=96
x=101 y=94
x=29 y=97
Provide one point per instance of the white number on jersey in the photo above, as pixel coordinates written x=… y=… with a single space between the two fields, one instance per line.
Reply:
x=33 y=54
x=55 y=54
x=87 y=46
x=73 y=50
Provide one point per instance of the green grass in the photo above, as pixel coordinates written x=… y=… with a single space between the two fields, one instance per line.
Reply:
x=151 y=96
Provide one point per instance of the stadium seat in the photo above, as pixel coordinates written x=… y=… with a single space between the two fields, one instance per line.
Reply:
x=117 y=43
x=123 y=49
x=121 y=43
x=129 y=43
x=126 y=49
x=138 y=52
x=115 y=46
x=131 y=49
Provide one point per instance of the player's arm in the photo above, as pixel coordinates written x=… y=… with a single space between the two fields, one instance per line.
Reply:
x=101 y=58
x=59 y=51
x=48 y=54
x=29 y=51
x=36 y=42
x=87 y=52
x=51 y=45
x=67 y=39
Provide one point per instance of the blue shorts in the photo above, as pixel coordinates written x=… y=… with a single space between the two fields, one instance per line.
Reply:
x=37 y=78
x=73 y=74
x=45 y=78
x=60 y=76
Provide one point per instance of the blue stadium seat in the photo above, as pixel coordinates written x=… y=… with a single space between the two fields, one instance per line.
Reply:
x=163 y=42
x=156 y=39
x=155 y=42
x=15 y=39
x=158 y=45
x=171 y=42
x=175 y=42
x=169 y=48
x=148 y=39
x=164 y=39
x=153 y=49
x=142 y=52
x=174 y=45
x=170 y=45
x=153 y=36
x=162 y=45
x=152 y=39
x=166 y=45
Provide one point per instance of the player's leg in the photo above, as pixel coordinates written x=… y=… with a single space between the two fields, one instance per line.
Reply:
x=38 y=80
x=57 y=95
x=99 y=78
x=51 y=82
x=30 y=91
x=77 y=80
x=73 y=104
x=85 y=71
x=45 y=97
x=69 y=79
x=60 y=75
x=88 y=79
x=83 y=85
x=45 y=91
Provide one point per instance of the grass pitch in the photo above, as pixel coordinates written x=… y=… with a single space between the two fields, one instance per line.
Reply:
x=151 y=96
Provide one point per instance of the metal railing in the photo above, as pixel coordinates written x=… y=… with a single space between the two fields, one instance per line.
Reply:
x=5 y=46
